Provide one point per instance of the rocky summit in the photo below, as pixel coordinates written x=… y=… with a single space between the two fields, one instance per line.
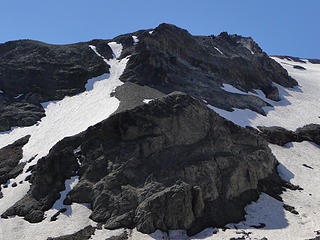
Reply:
x=162 y=159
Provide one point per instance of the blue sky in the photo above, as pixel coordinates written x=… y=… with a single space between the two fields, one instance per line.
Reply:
x=284 y=27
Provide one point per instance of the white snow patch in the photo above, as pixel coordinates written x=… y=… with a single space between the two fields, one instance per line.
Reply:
x=78 y=149
x=229 y=88
x=150 y=32
x=117 y=49
x=69 y=185
x=218 y=50
x=135 y=40
x=46 y=104
x=90 y=83
x=18 y=96
x=147 y=100
x=95 y=50
x=241 y=117
x=1 y=91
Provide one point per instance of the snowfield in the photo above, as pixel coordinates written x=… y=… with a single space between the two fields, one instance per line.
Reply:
x=299 y=106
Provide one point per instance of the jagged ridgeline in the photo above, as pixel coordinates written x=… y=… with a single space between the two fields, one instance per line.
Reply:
x=171 y=163
x=169 y=59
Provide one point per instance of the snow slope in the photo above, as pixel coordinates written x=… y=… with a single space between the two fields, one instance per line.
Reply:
x=63 y=118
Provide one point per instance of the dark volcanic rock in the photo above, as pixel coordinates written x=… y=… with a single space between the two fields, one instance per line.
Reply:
x=281 y=136
x=9 y=160
x=32 y=72
x=299 y=67
x=170 y=59
x=169 y=164
x=310 y=133
x=19 y=114
x=83 y=234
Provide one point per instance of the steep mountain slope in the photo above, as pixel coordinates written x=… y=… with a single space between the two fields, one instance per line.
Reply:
x=131 y=153
x=33 y=72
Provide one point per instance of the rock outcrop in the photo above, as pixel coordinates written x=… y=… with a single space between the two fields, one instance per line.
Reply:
x=9 y=160
x=170 y=59
x=32 y=72
x=83 y=234
x=169 y=164
x=282 y=136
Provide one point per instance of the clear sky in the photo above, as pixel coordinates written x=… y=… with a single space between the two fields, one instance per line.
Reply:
x=284 y=27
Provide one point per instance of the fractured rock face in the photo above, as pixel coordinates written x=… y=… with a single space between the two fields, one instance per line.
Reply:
x=169 y=164
x=282 y=136
x=171 y=59
x=9 y=160
x=32 y=72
